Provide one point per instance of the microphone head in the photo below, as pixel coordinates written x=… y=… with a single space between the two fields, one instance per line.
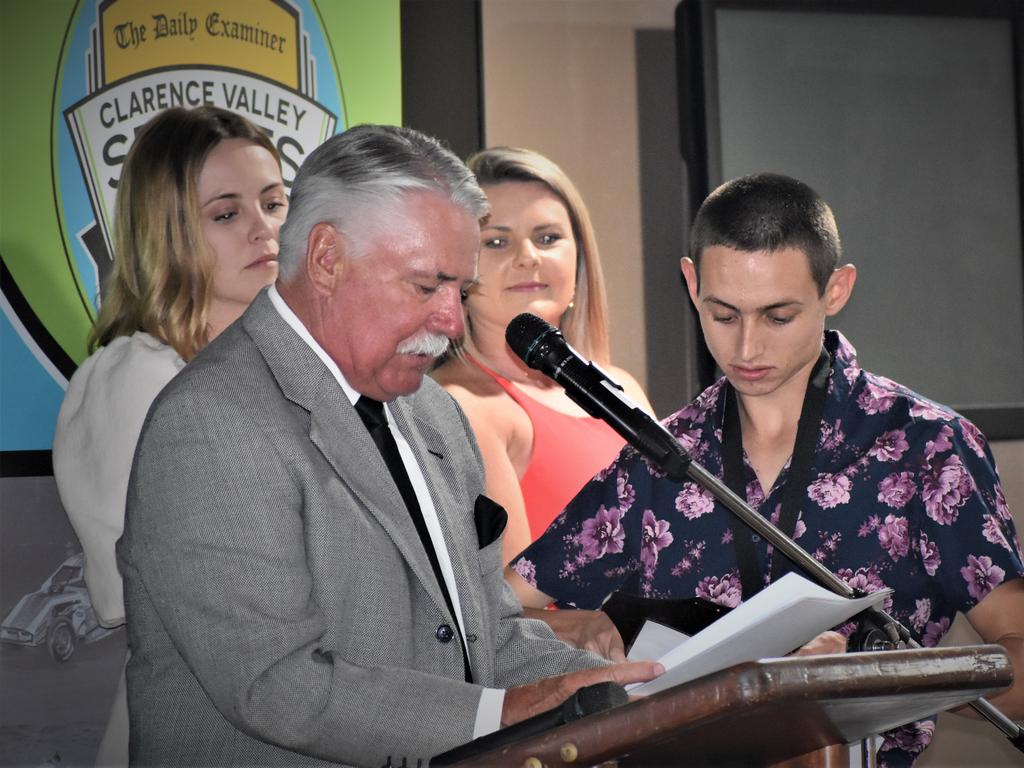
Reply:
x=525 y=332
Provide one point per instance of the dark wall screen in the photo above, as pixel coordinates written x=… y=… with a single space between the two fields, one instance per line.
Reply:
x=909 y=125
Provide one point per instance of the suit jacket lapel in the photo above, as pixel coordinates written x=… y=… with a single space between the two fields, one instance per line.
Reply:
x=430 y=446
x=338 y=433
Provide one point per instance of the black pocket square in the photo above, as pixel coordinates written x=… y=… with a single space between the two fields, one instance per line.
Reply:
x=490 y=519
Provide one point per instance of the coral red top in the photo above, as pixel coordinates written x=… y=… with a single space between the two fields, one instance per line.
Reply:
x=567 y=452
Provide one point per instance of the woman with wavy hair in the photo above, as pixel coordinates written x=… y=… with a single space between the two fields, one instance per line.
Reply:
x=199 y=205
x=538 y=254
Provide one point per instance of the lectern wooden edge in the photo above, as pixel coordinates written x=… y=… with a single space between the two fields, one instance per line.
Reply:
x=766 y=712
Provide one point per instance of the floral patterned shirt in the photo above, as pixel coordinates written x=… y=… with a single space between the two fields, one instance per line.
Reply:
x=905 y=495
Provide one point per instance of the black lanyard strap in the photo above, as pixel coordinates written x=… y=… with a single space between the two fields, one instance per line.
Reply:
x=807 y=432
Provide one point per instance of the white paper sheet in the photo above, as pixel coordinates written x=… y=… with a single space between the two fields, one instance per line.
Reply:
x=653 y=641
x=774 y=622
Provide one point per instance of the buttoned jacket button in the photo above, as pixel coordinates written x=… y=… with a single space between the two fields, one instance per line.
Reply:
x=444 y=633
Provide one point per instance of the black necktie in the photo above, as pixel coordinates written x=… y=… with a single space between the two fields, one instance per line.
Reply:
x=372 y=413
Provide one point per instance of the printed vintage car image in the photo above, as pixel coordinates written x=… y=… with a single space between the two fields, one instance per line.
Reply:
x=58 y=615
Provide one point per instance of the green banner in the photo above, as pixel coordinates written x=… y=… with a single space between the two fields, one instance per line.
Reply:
x=79 y=78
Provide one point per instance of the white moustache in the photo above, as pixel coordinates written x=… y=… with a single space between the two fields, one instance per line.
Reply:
x=425 y=343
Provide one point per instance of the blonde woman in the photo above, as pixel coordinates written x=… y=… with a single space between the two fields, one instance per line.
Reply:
x=538 y=254
x=199 y=205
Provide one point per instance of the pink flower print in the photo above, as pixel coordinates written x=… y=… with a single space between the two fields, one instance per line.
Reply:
x=694 y=502
x=940 y=444
x=706 y=398
x=929 y=553
x=866 y=580
x=847 y=630
x=890 y=447
x=625 y=491
x=869 y=526
x=973 y=438
x=699 y=451
x=724 y=591
x=832 y=436
x=602 y=533
x=934 y=632
x=694 y=413
x=672 y=422
x=829 y=491
x=981 y=575
x=913 y=737
x=945 y=490
x=923 y=409
x=655 y=537
x=755 y=494
x=897 y=489
x=527 y=570
x=874 y=399
x=798 y=530
x=727 y=536
x=652 y=469
x=689 y=413
x=689 y=440
x=920 y=616
x=894 y=537
x=829 y=546
x=857 y=579
x=693 y=556
x=993 y=531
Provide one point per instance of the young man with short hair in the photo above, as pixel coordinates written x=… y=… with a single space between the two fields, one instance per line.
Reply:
x=883 y=486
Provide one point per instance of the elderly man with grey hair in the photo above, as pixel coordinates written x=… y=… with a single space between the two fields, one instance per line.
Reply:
x=312 y=574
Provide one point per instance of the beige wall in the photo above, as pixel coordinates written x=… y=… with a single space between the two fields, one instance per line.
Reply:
x=560 y=77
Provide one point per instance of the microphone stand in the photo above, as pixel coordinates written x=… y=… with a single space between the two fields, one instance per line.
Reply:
x=879 y=631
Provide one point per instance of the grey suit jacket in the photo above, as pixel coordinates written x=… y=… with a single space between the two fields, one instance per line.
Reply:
x=281 y=609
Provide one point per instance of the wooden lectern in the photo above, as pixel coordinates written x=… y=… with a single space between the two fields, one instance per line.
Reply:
x=768 y=712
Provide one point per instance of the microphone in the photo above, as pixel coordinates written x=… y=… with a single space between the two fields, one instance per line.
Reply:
x=541 y=346
x=588 y=700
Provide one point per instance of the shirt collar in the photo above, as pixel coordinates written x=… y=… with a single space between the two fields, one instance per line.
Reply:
x=299 y=327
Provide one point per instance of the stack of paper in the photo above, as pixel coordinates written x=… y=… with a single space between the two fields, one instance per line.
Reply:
x=774 y=622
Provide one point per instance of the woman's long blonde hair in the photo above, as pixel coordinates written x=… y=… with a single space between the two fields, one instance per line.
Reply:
x=585 y=323
x=161 y=278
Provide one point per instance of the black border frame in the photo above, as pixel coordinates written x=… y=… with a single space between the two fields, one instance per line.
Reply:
x=696 y=60
x=442 y=82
